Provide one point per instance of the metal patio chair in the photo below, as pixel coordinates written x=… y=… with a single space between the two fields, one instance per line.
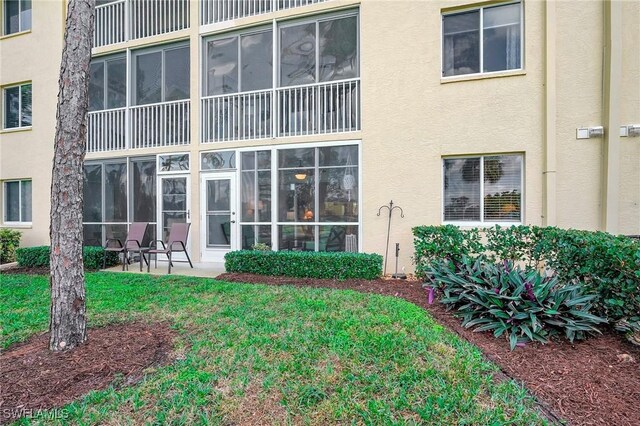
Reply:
x=133 y=244
x=178 y=235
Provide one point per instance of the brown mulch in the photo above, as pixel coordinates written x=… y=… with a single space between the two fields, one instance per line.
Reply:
x=33 y=378
x=592 y=382
x=41 y=270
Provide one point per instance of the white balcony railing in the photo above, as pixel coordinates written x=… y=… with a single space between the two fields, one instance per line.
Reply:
x=214 y=11
x=161 y=124
x=106 y=130
x=319 y=108
x=110 y=23
x=123 y=20
x=153 y=17
x=237 y=116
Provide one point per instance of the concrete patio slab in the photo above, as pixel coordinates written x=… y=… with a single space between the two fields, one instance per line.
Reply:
x=209 y=270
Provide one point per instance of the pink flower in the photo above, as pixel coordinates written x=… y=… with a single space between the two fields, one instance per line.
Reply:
x=430 y=294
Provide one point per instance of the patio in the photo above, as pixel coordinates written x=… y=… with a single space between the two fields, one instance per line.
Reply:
x=200 y=269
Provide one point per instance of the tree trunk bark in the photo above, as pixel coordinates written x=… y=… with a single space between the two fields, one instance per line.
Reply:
x=68 y=309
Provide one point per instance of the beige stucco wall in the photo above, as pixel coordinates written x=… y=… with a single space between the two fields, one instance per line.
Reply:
x=34 y=56
x=410 y=116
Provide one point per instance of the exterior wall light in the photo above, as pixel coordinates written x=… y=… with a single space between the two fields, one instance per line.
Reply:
x=590 y=132
x=633 y=130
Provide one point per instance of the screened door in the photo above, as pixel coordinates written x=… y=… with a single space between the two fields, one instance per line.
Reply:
x=219 y=216
x=174 y=203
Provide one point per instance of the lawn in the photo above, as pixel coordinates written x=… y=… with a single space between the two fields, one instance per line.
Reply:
x=280 y=354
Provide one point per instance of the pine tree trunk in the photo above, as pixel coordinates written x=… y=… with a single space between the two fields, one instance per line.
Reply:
x=68 y=309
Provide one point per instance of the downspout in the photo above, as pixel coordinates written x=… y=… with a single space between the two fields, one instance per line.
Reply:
x=612 y=77
x=549 y=209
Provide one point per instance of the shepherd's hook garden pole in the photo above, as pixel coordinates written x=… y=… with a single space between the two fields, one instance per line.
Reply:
x=391 y=208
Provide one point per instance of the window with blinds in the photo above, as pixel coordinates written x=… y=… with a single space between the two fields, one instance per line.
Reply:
x=483 y=189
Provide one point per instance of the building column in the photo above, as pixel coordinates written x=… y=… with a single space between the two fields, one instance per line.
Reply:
x=612 y=77
x=549 y=209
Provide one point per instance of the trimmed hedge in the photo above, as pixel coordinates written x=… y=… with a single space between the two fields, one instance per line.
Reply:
x=9 y=242
x=36 y=257
x=305 y=264
x=607 y=264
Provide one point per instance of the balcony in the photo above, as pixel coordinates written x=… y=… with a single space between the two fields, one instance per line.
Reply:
x=145 y=126
x=312 y=109
x=122 y=20
x=216 y=11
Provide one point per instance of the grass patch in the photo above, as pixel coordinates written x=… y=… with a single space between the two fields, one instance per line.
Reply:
x=278 y=355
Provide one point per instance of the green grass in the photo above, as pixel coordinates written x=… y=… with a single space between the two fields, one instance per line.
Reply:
x=296 y=356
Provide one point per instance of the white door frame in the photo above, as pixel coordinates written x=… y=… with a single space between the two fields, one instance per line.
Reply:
x=216 y=254
x=160 y=222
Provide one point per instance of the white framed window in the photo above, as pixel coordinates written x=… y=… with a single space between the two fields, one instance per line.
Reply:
x=161 y=74
x=108 y=83
x=16 y=16
x=173 y=163
x=320 y=50
x=483 y=40
x=484 y=189
x=16 y=103
x=17 y=202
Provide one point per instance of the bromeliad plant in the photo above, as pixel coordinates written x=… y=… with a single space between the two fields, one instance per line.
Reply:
x=521 y=305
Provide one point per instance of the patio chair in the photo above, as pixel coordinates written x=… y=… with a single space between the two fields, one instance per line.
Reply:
x=178 y=235
x=133 y=244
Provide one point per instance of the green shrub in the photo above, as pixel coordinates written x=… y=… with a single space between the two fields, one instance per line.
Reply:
x=433 y=243
x=604 y=264
x=9 y=242
x=37 y=257
x=522 y=305
x=305 y=264
x=261 y=247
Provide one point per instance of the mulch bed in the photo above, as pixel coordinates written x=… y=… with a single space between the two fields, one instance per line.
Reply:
x=32 y=378
x=42 y=270
x=592 y=382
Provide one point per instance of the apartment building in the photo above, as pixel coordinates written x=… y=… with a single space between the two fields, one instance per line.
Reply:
x=290 y=122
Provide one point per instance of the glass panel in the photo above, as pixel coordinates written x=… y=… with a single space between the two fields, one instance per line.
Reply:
x=300 y=157
x=218 y=160
x=218 y=230
x=173 y=163
x=501 y=37
x=25 y=201
x=338 y=156
x=296 y=197
x=174 y=194
x=222 y=66
x=264 y=196
x=296 y=237
x=116 y=83
x=143 y=190
x=148 y=78
x=298 y=54
x=92 y=235
x=11 y=16
x=461 y=49
x=462 y=189
x=219 y=195
x=338 y=40
x=12 y=202
x=264 y=160
x=252 y=234
x=96 y=86
x=115 y=192
x=168 y=219
x=248 y=208
x=25 y=117
x=11 y=107
x=338 y=238
x=176 y=74
x=92 y=193
x=248 y=161
x=502 y=188
x=257 y=61
x=25 y=15
x=339 y=194
x=116 y=231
